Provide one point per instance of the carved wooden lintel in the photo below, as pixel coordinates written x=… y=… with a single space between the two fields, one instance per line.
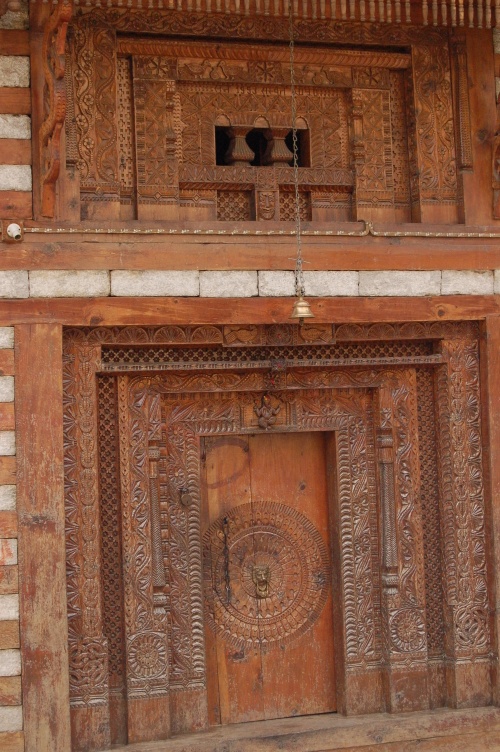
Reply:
x=53 y=56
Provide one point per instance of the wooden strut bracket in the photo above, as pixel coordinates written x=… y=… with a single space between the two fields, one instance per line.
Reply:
x=53 y=57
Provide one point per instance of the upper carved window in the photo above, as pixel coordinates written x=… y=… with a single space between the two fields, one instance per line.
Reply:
x=176 y=130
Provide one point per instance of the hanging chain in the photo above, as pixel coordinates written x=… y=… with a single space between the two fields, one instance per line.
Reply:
x=299 y=274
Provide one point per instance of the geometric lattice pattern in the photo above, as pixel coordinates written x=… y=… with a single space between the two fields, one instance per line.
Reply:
x=164 y=354
x=109 y=481
x=234 y=206
x=287 y=206
x=429 y=494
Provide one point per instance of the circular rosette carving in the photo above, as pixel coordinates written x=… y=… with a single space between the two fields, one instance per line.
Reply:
x=407 y=631
x=266 y=573
x=147 y=655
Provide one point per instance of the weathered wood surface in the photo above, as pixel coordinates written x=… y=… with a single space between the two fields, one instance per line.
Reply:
x=15 y=151
x=15 y=204
x=42 y=552
x=14 y=42
x=103 y=251
x=158 y=311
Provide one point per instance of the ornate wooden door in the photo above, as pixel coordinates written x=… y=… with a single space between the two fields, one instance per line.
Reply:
x=267 y=577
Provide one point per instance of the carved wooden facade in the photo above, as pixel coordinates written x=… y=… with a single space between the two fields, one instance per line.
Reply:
x=386 y=133
x=154 y=576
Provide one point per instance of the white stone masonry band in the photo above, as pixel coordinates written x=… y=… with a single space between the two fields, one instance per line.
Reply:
x=244 y=284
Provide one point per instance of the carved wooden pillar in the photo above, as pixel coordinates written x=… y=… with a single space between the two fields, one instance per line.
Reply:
x=148 y=700
x=467 y=639
x=239 y=152
x=94 y=86
x=156 y=138
x=436 y=153
x=403 y=588
x=88 y=648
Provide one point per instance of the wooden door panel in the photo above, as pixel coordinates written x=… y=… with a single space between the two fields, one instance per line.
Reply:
x=234 y=678
x=267 y=517
x=298 y=674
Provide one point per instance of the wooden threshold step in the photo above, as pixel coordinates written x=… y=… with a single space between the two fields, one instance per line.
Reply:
x=442 y=730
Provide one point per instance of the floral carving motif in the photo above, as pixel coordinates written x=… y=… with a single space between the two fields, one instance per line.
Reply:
x=407 y=631
x=147 y=655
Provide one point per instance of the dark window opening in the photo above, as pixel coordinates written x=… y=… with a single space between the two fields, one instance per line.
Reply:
x=222 y=142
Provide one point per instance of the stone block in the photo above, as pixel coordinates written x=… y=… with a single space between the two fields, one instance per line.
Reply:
x=7 y=498
x=276 y=284
x=6 y=388
x=14 y=284
x=10 y=660
x=11 y=718
x=155 y=283
x=331 y=284
x=6 y=337
x=15 y=126
x=69 y=284
x=399 y=283
x=15 y=178
x=228 y=284
x=9 y=609
x=467 y=283
x=14 y=70
x=7 y=443
x=496 y=283
x=15 y=17
x=8 y=552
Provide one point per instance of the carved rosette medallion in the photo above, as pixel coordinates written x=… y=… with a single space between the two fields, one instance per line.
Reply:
x=147 y=655
x=266 y=574
x=407 y=631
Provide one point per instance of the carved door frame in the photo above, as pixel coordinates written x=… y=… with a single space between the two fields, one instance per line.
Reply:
x=339 y=404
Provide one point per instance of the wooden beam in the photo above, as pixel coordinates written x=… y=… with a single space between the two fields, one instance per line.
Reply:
x=7 y=416
x=7 y=471
x=15 y=151
x=9 y=580
x=6 y=362
x=42 y=554
x=14 y=42
x=15 y=204
x=159 y=311
x=80 y=251
x=15 y=101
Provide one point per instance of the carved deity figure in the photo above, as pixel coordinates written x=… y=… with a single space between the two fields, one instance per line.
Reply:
x=266 y=204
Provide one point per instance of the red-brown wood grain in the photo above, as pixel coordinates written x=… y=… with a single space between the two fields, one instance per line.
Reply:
x=42 y=553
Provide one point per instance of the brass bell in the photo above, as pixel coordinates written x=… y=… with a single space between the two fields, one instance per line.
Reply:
x=301 y=310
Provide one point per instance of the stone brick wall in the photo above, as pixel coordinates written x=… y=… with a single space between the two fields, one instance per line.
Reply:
x=244 y=284
x=15 y=203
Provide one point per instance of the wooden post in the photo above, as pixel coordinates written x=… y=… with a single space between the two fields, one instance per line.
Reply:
x=42 y=555
x=490 y=378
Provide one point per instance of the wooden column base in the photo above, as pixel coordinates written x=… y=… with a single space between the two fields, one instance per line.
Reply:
x=406 y=690
x=469 y=684
x=90 y=729
x=148 y=719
